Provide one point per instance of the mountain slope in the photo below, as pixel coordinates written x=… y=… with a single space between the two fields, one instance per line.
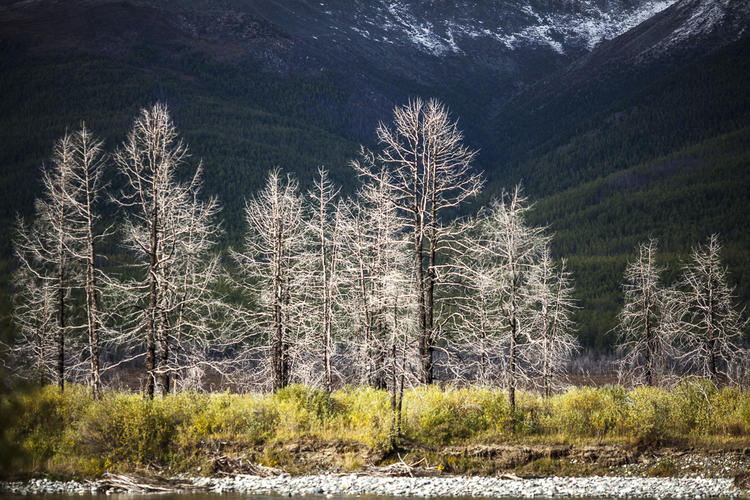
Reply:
x=605 y=86
x=612 y=112
x=679 y=199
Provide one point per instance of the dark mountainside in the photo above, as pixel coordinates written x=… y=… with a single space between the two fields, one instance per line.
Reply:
x=616 y=137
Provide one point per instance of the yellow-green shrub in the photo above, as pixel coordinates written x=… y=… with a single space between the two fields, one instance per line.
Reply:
x=363 y=414
x=45 y=416
x=648 y=414
x=693 y=405
x=443 y=416
x=249 y=419
x=728 y=405
x=497 y=411
x=302 y=410
x=585 y=411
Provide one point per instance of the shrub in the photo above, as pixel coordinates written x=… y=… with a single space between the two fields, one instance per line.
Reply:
x=731 y=412
x=444 y=416
x=693 y=400
x=44 y=418
x=302 y=410
x=249 y=419
x=648 y=414
x=586 y=411
x=364 y=414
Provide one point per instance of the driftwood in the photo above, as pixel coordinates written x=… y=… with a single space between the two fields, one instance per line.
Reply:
x=135 y=484
x=401 y=468
x=229 y=466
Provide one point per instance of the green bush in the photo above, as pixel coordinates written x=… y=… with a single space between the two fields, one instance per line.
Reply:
x=249 y=419
x=648 y=414
x=126 y=428
x=731 y=412
x=302 y=410
x=45 y=418
x=693 y=400
x=444 y=416
x=586 y=411
x=364 y=414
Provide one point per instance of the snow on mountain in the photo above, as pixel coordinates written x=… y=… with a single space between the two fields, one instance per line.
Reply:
x=434 y=28
x=724 y=20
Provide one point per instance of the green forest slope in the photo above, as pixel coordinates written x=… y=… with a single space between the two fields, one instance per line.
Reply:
x=608 y=165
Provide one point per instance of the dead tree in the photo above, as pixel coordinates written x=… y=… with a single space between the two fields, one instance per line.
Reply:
x=513 y=248
x=324 y=225
x=645 y=338
x=154 y=200
x=44 y=250
x=550 y=292
x=376 y=250
x=272 y=267
x=34 y=305
x=380 y=290
x=712 y=326
x=87 y=167
x=430 y=171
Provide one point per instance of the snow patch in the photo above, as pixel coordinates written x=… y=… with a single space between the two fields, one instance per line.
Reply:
x=584 y=25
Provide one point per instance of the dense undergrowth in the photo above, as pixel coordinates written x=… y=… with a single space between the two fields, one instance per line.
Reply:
x=68 y=434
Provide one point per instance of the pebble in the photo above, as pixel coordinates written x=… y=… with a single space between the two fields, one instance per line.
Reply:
x=451 y=486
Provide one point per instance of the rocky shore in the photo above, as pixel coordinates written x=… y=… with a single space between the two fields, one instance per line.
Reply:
x=352 y=484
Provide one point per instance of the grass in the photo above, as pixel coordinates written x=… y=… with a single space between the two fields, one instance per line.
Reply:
x=68 y=434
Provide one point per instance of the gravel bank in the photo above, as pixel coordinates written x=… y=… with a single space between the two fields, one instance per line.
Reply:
x=285 y=485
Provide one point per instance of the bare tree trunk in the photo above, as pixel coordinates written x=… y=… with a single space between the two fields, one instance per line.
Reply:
x=512 y=363
x=513 y=331
x=711 y=344
x=277 y=347
x=427 y=360
x=425 y=351
x=61 y=293
x=92 y=314
x=545 y=363
x=152 y=297
x=326 y=291
x=163 y=336
x=394 y=388
x=60 y=325
x=649 y=341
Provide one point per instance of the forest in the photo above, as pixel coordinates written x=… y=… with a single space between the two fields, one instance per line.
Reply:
x=683 y=155
x=384 y=288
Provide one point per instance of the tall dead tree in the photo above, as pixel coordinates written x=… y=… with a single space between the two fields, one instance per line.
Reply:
x=273 y=270
x=377 y=254
x=193 y=309
x=87 y=167
x=712 y=326
x=645 y=339
x=45 y=249
x=550 y=291
x=324 y=225
x=148 y=160
x=513 y=248
x=430 y=171
x=380 y=289
x=172 y=231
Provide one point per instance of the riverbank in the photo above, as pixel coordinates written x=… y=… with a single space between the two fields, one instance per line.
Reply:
x=453 y=486
x=299 y=430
